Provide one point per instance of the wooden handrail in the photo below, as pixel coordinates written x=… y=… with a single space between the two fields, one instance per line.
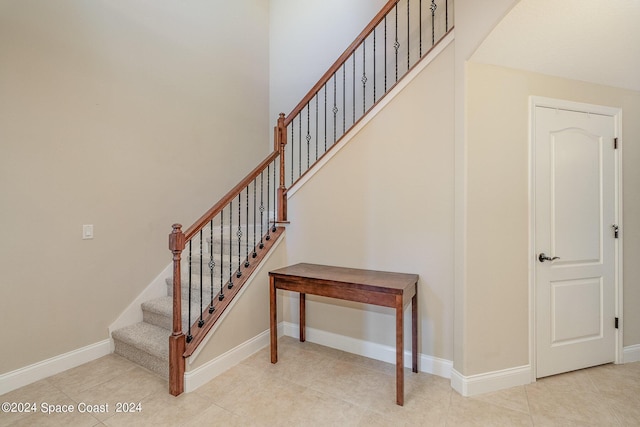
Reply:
x=233 y=193
x=336 y=65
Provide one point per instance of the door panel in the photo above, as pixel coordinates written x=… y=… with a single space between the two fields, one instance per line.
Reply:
x=575 y=209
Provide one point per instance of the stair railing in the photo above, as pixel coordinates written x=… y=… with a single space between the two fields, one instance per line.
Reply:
x=402 y=33
x=222 y=250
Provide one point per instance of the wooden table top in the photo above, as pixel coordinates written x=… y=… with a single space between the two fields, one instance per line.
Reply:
x=378 y=281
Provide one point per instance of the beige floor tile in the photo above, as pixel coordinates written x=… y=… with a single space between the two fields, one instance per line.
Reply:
x=474 y=412
x=355 y=384
x=314 y=385
x=514 y=398
x=576 y=405
x=91 y=374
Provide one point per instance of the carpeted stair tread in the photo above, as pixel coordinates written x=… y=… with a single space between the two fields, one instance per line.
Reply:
x=159 y=312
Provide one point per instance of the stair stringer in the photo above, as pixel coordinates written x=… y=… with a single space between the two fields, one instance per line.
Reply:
x=242 y=329
x=371 y=114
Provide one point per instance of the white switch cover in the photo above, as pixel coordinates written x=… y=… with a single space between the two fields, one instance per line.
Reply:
x=87 y=231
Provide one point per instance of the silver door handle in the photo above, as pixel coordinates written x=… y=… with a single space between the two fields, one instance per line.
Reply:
x=542 y=258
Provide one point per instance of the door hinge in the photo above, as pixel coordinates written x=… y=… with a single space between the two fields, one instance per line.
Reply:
x=615 y=143
x=616 y=231
x=616 y=323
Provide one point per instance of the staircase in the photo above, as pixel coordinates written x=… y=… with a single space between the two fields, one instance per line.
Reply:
x=145 y=343
x=216 y=252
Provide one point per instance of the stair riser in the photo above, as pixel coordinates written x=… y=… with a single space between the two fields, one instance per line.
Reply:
x=151 y=362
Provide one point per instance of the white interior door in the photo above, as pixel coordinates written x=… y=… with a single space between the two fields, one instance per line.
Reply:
x=574 y=238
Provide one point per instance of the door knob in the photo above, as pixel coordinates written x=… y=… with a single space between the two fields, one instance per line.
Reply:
x=542 y=258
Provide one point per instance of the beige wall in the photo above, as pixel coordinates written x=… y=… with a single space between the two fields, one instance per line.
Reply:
x=497 y=306
x=385 y=202
x=474 y=20
x=303 y=46
x=125 y=115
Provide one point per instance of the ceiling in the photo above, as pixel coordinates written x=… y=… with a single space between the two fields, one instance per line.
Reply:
x=591 y=40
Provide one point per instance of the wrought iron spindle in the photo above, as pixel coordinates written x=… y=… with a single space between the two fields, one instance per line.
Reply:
x=201 y=321
x=317 y=126
x=408 y=36
x=255 y=226
x=433 y=22
x=212 y=265
x=268 y=199
x=344 y=97
x=239 y=235
x=364 y=76
x=300 y=141
x=308 y=137
x=189 y=335
x=246 y=229
x=446 y=15
x=374 y=65
x=230 y=284
x=353 y=96
x=273 y=228
x=420 y=29
x=261 y=208
x=221 y=296
x=396 y=45
x=292 y=145
x=325 y=117
x=335 y=106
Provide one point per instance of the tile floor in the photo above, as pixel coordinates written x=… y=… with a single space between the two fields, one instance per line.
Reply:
x=313 y=385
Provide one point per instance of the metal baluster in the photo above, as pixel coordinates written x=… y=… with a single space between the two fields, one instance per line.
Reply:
x=374 y=65
x=446 y=15
x=317 y=126
x=239 y=234
x=325 y=117
x=221 y=296
x=385 y=54
x=292 y=144
x=396 y=45
x=408 y=37
x=364 y=76
x=230 y=284
x=300 y=140
x=308 y=137
x=273 y=228
x=189 y=336
x=212 y=264
x=433 y=22
x=255 y=227
x=261 y=209
x=335 y=106
x=353 y=119
x=268 y=198
x=246 y=229
x=344 y=97
x=420 y=16
x=201 y=321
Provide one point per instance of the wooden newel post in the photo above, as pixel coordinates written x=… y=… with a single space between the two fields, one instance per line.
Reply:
x=177 y=338
x=281 y=141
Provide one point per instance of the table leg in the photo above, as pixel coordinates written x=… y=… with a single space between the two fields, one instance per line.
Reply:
x=414 y=331
x=273 y=323
x=303 y=314
x=399 y=352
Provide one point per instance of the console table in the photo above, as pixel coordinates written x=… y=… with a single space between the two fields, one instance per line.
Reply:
x=395 y=290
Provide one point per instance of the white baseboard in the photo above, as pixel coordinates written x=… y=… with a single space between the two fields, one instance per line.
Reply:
x=490 y=381
x=429 y=364
x=32 y=373
x=205 y=373
x=631 y=354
